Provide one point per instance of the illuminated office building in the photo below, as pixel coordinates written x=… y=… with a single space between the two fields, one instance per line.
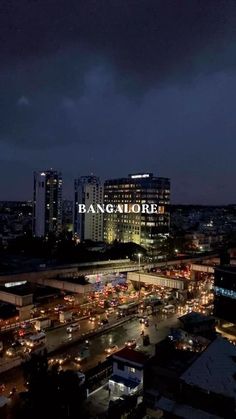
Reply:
x=88 y=191
x=225 y=293
x=47 y=203
x=141 y=228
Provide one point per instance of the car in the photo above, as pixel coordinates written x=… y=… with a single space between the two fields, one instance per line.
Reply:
x=131 y=344
x=14 y=350
x=82 y=355
x=92 y=319
x=69 y=298
x=111 y=349
x=103 y=322
x=143 y=319
x=110 y=310
x=59 y=307
x=73 y=327
x=59 y=360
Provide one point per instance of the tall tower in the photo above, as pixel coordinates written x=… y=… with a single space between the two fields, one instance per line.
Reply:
x=88 y=191
x=47 y=208
x=143 y=229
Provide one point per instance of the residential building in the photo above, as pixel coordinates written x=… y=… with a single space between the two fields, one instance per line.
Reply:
x=47 y=203
x=88 y=191
x=127 y=372
x=67 y=216
x=141 y=228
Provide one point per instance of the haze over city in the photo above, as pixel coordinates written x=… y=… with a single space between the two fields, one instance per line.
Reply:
x=119 y=87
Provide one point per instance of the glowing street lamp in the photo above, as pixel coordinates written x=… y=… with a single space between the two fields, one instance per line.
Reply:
x=139 y=266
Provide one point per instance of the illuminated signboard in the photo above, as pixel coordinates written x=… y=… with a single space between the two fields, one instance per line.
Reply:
x=144 y=175
x=14 y=284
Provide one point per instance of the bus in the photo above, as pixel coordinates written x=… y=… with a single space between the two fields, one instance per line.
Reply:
x=35 y=341
x=127 y=309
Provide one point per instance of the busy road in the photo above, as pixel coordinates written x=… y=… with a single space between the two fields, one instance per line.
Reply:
x=158 y=328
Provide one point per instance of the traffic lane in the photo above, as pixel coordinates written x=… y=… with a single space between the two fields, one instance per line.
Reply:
x=131 y=330
x=118 y=336
x=60 y=335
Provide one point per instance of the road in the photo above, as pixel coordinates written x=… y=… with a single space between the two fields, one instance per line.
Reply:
x=116 y=336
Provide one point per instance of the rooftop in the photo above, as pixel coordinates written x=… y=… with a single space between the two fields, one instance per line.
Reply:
x=20 y=290
x=172 y=359
x=193 y=317
x=131 y=355
x=182 y=410
x=214 y=370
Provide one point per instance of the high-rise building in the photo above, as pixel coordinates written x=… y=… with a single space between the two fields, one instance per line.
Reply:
x=141 y=228
x=88 y=191
x=47 y=205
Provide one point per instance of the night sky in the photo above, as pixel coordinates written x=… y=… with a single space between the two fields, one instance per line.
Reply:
x=112 y=87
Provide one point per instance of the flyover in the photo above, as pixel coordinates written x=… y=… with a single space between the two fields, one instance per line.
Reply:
x=158 y=280
x=70 y=284
x=21 y=297
x=47 y=274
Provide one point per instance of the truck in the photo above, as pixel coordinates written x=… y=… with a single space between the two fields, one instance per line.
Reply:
x=42 y=324
x=65 y=316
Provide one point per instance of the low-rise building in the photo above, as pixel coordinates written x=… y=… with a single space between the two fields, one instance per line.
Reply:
x=127 y=376
x=180 y=384
x=198 y=324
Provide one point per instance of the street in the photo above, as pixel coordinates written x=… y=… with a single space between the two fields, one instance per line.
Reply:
x=117 y=336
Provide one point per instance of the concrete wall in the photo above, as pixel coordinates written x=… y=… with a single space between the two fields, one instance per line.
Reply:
x=17 y=300
x=126 y=373
x=65 y=285
x=160 y=281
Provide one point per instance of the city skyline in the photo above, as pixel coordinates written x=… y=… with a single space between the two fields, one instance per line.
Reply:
x=119 y=87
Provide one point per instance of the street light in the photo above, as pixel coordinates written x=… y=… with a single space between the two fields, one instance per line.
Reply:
x=139 y=259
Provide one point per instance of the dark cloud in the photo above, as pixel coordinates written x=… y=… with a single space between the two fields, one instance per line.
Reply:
x=115 y=86
x=151 y=40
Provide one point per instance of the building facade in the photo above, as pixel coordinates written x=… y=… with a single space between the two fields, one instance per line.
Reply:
x=88 y=191
x=225 y=293
x=127 y=372
x=47 y=203
x=141 y=228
